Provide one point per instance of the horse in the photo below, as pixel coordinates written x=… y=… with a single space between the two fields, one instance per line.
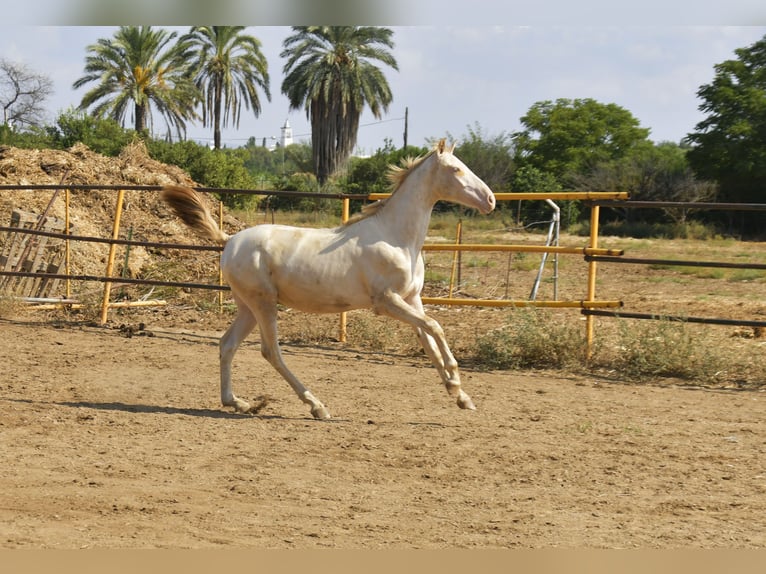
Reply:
x=373 y=261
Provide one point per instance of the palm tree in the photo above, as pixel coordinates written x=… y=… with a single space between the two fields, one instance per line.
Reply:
x=329 y=72
x=140 y=65
x=228 y=69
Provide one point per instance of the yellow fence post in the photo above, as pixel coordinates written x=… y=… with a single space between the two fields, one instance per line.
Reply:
x=458 y=241
x=346 y=207
x=593 y=244
x=112 y=253
x=68 y=282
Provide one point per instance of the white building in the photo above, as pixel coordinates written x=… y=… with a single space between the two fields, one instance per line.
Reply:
x=287 y=135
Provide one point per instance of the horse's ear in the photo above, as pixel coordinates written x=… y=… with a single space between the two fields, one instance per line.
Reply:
x=452 y=149
x=440 y=145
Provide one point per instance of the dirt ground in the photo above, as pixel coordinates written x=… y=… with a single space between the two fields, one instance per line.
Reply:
x=116 y=441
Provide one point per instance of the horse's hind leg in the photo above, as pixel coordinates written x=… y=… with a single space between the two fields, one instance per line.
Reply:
x=267 y=322
x=241 y=327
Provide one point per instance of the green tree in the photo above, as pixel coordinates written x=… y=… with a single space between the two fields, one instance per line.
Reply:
x=369 y=174
x=228 y=69
x=102 y=135
x=489 y=157
x=729 y=145
x=569 y=137
x=330 y=73
x=650 y=172
x=529 y=179
x=141 y=66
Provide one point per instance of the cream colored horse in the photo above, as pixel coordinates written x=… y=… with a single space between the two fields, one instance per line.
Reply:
x=372 y=262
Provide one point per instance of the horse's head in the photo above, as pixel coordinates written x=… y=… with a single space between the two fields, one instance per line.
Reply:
x=458 y=184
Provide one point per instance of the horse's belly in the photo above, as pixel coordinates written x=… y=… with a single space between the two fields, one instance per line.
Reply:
x=320 y=291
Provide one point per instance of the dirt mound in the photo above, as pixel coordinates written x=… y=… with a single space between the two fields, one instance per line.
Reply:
x=92 y=212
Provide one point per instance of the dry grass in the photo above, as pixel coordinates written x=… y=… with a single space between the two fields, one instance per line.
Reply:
x=627 y=350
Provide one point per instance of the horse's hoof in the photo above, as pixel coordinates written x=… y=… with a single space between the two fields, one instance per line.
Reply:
x=465 y=402
x=241 y=407
x=320 y=413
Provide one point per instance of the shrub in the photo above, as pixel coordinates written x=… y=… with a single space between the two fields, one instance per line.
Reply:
x=661 y=348
x=532 y=338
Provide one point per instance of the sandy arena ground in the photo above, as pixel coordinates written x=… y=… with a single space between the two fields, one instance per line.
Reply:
x=109 y=441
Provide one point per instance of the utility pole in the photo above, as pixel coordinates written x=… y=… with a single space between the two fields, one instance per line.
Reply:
x=406 y=120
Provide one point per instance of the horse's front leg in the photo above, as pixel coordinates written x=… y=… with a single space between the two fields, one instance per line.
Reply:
x=449 y=375
x=431 y=337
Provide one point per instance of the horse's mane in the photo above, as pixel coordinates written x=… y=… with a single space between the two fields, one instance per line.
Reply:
x=396 y=175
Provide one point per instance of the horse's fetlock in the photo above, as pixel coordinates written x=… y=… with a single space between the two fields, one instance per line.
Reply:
x=453 y=388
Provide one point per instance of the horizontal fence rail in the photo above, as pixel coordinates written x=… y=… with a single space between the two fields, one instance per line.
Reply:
x=675 y=318
x=118 y=280
x=707 y=206
x=88 y=238
x=520 y=248
x=218 y=190
x=674 y=262
x=581 y=304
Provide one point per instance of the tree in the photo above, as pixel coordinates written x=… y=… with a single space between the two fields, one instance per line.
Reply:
x=490 y=157
x=330 y=73
x=529 y=179
x=370 y=174
x=22 y=94
x=144 y=67
x=102 y=135
x=569 y=137
x=228 y=70
x=650 y=172
x=729 y=145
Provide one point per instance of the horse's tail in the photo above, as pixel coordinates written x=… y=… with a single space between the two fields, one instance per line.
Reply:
x=188 y=206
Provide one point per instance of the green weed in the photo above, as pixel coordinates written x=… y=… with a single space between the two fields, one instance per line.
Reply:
x=532 y=338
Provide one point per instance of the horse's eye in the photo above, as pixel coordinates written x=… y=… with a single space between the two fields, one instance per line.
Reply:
x=457 y=170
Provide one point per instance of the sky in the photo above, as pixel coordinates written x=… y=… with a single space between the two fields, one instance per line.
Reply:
x=454 y=78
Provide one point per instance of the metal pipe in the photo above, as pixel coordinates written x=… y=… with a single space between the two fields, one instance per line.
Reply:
x=552 y=229
x=676 y=262
x=519 y=303
x=528 y=248
x=536 y=195
x=675 y=318
x=124 y=280
x=112 y=241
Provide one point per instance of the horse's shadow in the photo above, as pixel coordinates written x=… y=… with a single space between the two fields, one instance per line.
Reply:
x=167 y=410
x=192 y=412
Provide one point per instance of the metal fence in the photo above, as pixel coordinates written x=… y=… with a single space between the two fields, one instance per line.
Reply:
x=593 y=255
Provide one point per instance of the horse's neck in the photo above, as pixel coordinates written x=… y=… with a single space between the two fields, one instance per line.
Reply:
x=408 y=211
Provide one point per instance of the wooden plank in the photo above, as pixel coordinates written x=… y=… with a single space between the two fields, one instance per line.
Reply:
x=35 y=254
